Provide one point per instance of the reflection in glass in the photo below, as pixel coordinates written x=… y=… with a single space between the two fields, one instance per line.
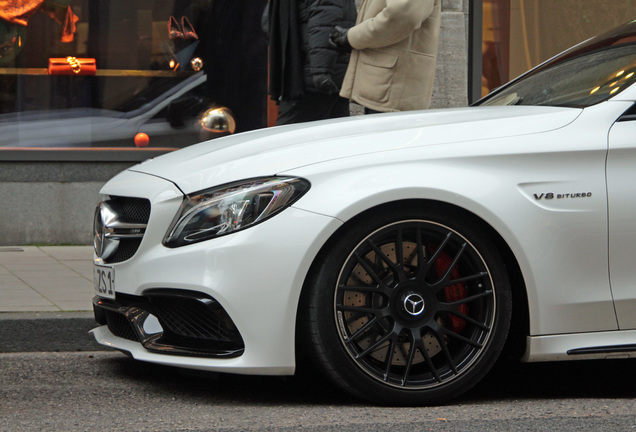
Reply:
x=160 y=65
x=520 y=34
x=587 y=74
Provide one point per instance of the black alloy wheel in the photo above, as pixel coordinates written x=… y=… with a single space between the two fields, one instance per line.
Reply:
x=407 y=307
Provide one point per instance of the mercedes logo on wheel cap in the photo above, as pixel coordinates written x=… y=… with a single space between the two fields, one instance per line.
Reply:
x=414 y=304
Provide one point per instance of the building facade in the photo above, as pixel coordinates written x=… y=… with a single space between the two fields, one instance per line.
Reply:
x=90 y=87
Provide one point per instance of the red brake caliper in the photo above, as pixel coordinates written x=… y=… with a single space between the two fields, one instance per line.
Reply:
x=453 y=292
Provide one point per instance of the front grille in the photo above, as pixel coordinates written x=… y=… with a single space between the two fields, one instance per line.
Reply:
x=135 y=210
x=132 y=210
x=125 y=251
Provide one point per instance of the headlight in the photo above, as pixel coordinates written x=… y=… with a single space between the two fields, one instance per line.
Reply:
x=233 y=207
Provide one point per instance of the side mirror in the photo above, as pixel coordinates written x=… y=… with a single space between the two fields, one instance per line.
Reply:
x=218 y=120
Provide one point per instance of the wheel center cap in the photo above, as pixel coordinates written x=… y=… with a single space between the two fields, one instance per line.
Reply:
x=414 y=304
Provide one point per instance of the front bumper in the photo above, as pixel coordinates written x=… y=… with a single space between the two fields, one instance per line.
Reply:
x=172 y=322
x=253 y=278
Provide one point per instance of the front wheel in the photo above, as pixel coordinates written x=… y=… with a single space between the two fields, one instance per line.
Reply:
x=407 y=307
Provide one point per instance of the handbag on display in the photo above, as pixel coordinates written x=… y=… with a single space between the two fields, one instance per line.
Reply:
x=72 y=66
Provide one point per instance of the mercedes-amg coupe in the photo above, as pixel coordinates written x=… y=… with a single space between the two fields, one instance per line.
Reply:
x=400 y=253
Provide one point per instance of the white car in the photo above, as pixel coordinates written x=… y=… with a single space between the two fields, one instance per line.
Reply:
x=400 y=252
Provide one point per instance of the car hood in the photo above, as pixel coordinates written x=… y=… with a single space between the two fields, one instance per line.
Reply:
x=275 y=150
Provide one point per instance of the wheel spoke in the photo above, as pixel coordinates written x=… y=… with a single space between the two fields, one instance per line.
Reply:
x=466 y=318
x=362 y=289
x=447 y=354
x=430 y=364
x=461 y=338
x=436 y=253
x=419 y=250
x=395 y=269
x=444 y=279
x=362 y=330
x=399 y=247
x=419 y=268
x=392 y=333
x=369 y=268
x=389 y=359
x=465 y=279
x=417 y=345
x=448 y=306
x=362 y=310
x=409 y=361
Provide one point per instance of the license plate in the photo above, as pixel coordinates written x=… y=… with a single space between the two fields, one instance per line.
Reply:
x=104 y=278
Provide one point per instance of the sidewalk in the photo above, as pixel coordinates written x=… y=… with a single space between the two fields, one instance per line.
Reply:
x=46 y=279
x=46 y=297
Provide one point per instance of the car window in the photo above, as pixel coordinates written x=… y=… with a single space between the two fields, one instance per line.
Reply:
x=578 y=82
x=586 y=75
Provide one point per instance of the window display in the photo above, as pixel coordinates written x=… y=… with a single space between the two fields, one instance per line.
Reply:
x=113 y=74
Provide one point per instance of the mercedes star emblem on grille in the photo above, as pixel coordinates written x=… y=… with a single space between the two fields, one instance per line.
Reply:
x=109 y=229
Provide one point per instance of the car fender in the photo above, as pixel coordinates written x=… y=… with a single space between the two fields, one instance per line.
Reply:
x=509 y=193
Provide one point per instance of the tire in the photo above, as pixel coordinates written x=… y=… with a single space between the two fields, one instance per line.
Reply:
x=406 y=306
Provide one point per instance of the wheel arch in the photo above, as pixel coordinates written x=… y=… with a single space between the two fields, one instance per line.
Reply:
x=520 y=324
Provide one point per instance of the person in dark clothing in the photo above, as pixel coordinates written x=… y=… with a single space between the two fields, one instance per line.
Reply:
x=306 y=71
x=234 y=56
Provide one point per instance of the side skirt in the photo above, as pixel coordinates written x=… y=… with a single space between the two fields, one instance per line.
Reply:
x=581 y=346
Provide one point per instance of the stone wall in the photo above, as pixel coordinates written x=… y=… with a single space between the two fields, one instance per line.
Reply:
x=51 y=202
x=451 y=76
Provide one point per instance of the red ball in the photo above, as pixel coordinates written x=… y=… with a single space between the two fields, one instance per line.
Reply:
x=142 y=139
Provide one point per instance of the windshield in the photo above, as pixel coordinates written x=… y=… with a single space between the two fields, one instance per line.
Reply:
x=585 y=75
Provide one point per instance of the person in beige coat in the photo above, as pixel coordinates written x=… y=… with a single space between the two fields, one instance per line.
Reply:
x=394 y=51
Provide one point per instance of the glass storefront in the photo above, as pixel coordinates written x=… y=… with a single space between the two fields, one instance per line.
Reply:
x=129 y=74
x=121 y=76
x=520 y=34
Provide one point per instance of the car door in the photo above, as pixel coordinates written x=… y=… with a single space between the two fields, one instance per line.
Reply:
x=621 y=185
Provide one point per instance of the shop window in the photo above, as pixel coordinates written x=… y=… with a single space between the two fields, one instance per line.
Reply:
x=520 y=34
x=93 y=74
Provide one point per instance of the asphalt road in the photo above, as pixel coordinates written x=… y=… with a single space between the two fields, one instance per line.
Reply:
x=57 y=332
x=54 y=377
x=89 y=391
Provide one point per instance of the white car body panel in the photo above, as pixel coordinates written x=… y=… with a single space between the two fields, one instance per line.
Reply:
x=621 y=178
x=408 y=250
x=557 y=347
x=484 y=186
x=237 y=365
x=216 y=269
x=277 y=149
x=496 y=179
